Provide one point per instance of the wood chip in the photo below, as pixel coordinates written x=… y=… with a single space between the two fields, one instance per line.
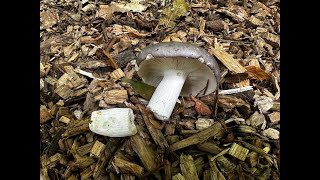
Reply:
x=145 y=152
x=255 y=21
x=128 y=167
x=272 y=39
x=85 y=149
x=238 y=151
x=117 y=74
x=215 y=130
x=64 y=120
x=97 y=149
x=226 y=59
x=271 y=133
x=188 y=168
x=115 y=96
x=274 y=117
x=256 y=120
x=45 y=115
x=154 y=130
x=76 y=128
x=178 y=177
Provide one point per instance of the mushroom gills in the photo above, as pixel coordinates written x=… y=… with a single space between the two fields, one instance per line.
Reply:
x=166 y=94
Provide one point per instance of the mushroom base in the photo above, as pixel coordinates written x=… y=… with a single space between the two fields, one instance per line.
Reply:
x=166 y=94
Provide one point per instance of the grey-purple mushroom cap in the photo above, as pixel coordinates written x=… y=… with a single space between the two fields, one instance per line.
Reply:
x=202 y=68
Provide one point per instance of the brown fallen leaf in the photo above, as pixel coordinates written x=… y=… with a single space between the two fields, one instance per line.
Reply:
x=45 y=116
x=257 y=73
x=104 y=12
x=49 y=18
x=201 y=107
x=274 y=117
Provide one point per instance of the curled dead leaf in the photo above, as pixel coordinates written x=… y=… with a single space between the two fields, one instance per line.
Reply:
x=257 y=73
x=201 y=107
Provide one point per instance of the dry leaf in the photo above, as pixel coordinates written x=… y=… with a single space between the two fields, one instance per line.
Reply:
x=201 y=107
x=122 y=45
x=229 y=102
x=264 y=103
x=49 y=18
x=133 y=6
x=135 y=33
x=256 y=120
x=104 y=12
x=271 y=133
x=171 y=13
x=257 y=73
x=45 y=116
x=274 y=117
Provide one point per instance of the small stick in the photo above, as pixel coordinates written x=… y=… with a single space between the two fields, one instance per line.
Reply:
x=113 y=63
x=236 y=90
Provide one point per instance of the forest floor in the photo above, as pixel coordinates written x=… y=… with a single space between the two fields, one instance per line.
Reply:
x=87 y=63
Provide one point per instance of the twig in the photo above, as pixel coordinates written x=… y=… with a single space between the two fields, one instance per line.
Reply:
x=82 y=72
x=113 y=63
x=236 y=90
x=111 y=43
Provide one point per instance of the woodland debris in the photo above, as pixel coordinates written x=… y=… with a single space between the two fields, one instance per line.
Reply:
x=115 y=96
x=203 y=123
x=188 y=168
x=271 y=133
x=226 y=59
x=85 y=149
x=274 y=116
x=97 y=149
x=153 y=127
x=256 y=120
x=215 y=130
x=117 y=74
x=75 y=128
x=128 y=167
x=238 y=151
x=146 y=153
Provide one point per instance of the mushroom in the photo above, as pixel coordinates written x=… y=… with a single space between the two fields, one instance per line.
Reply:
x=176 y=69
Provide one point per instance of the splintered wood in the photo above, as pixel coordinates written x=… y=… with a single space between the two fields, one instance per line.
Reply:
x=128 y=167
x=97 y=149
x=146 y=153
x=215 y=130
x=153 y=127
x=76 y=128
x=188 y=168
x=226 y=59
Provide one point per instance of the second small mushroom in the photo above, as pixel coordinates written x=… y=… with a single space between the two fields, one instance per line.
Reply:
x=176 y=69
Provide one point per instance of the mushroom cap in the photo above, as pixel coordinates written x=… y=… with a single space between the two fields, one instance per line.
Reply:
x=201 y=67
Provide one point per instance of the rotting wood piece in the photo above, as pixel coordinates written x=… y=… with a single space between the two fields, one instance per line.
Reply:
x=76 y=128
x=209 y=147
x=188 y=168
x=85 y=149
x=128 y=167
x=156 y=134
x=216 y=130
x=97 y=149
x=147 y=155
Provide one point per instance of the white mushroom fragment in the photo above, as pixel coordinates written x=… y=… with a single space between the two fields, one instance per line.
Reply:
x=176 y=69
x=116 y=122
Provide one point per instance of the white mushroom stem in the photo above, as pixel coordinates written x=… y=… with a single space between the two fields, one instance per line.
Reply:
x=166 y=94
